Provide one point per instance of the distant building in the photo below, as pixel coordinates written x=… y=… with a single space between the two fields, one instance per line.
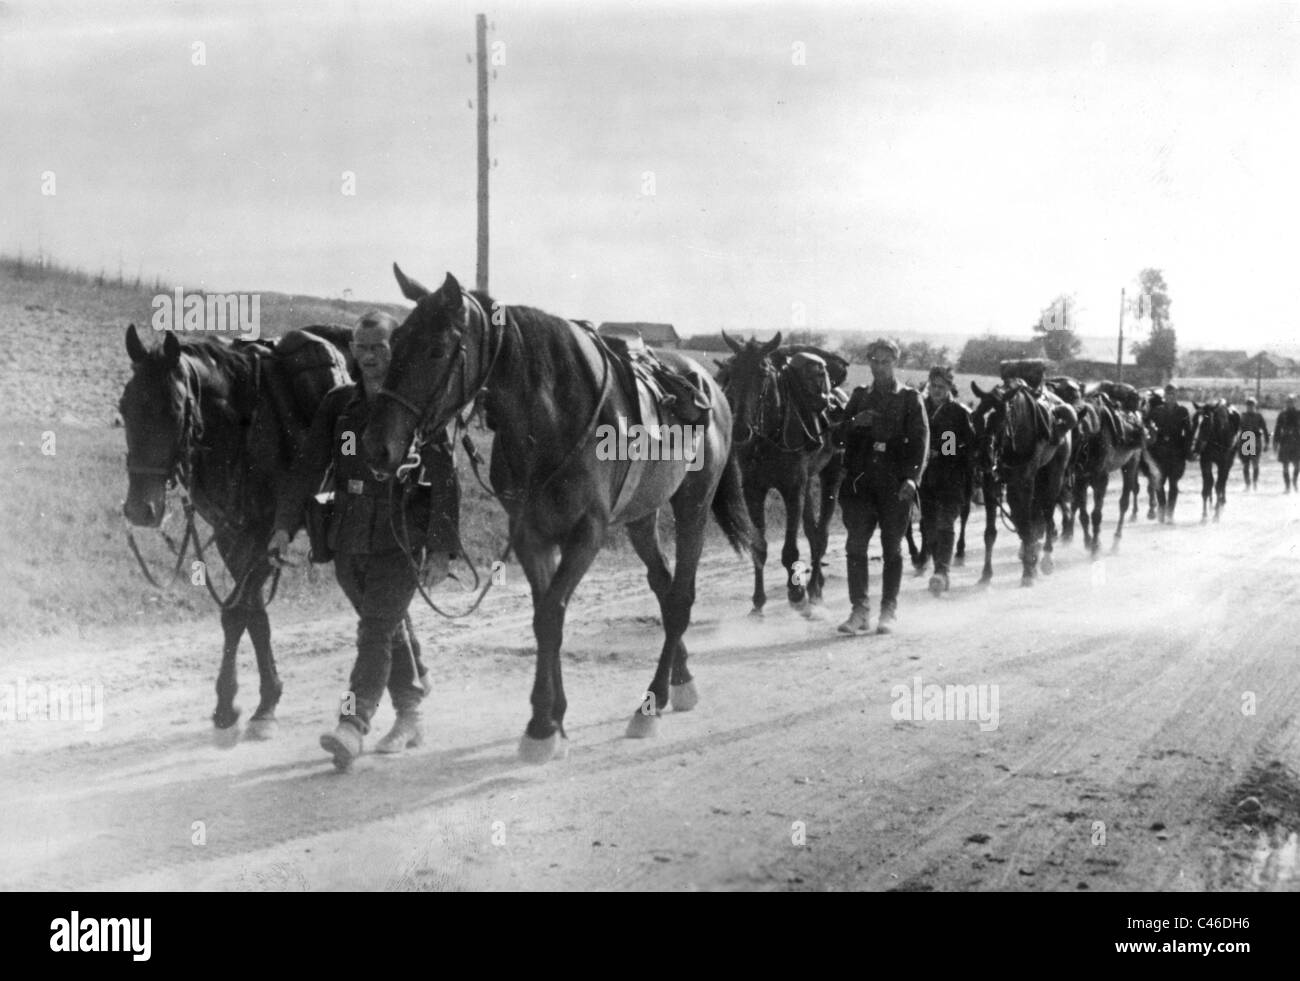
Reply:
x=1208 y=362
x=1266 y=365
x=656 y=335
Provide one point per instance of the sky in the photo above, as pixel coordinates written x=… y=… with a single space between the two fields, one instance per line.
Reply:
x=865 y=166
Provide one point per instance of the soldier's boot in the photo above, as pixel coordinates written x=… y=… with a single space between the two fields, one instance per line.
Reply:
x=406 y=733
x=885 y=625
x=859 y=621
x=344 y=744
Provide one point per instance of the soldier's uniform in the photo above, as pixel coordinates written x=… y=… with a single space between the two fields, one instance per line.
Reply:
x=373 y=572
x=1250 y=447
x=878 y=458
x=1286 y=437
x=946 y=483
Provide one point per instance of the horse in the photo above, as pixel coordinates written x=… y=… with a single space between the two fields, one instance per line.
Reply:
x=553 y=403
x=201 y=414
x=1026 y=444
x=1216 y=427
x=779 y=446
x=1106 y=442
x=921 y=556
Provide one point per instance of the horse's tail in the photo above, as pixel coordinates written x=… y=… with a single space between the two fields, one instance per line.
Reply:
x=729 y=507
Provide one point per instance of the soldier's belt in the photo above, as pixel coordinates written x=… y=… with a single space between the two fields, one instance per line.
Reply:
x=879 y=447
x=359 y=487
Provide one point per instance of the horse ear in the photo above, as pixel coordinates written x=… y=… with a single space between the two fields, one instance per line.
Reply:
x=411 y=289
x=720 y=364
x=171 y=349
x=449 y=293
x=133 y=346
x=731 y=342
x=773 y=344
x=979 y=392
x=1195 y=406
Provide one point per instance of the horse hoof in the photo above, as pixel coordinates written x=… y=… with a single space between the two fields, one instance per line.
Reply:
x=261 y=729
x=683 y=698
x=985 y=581
x=1046 y=565
x=227 y=738
x=1026 y=582
x=642 y=726
x=539 y=750
x=756 y=613
x=959 y=560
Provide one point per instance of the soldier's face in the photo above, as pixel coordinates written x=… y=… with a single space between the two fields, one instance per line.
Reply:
x=939 y=390
x=882 y=366
x=371 y=349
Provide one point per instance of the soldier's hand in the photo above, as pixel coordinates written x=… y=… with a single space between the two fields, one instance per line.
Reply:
x=276 y=549
x=907 y=493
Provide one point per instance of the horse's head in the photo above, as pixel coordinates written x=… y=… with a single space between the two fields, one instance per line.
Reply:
x=987 y=419
x=440 y=360
x=749 y=381
x=1212 y=426
x=160 y=417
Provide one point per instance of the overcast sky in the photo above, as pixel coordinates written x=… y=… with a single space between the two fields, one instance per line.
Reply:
x=883 y=167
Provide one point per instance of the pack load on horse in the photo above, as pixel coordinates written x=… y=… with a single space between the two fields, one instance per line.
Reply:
x=785 y=402
x=1024 y=434
x=552 y=389
x=223 y=422
x=1215 y=430
x=676 y=392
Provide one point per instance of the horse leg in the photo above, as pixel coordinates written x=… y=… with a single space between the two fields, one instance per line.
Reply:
x=263 y=724
x=792 y=497
x=990 y=529
x=827 y=492
x=756 y=504
x=913 y=552
x=1079 y=504
x=1221 y=485
x=539 y=561
x=644 y=535
x=1207 y=487
x=1128 y=491
x=959 y=554
x=813 y=531
x=233 y=623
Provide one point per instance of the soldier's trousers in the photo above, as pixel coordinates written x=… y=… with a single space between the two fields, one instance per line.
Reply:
x=940 y=509
x=380 y=587
x=868 y=505
x=1249 y=466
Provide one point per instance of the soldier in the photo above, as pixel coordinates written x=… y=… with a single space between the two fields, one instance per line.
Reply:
x=1286 y=439
x=1173 y=443
x=887 y=440
x=949 y=474
x=369 y=563
x=1253 y=441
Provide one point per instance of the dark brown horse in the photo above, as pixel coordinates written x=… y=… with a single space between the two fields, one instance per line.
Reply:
x=199 y=414
x=776 y=438
x=1216 y=427
x=1109 y=437
x=1024 y=437
x=552 y=401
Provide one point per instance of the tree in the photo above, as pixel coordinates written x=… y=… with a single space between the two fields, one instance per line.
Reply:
x=922 y=354
x=1056 y=324
x=1159 y=351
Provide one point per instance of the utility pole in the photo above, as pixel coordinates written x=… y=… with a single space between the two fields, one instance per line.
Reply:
x=1119 y=353
x=480 y=22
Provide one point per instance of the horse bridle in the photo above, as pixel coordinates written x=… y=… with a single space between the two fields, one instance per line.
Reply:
x=423 y=414
x=757 y=428
x=191 y=432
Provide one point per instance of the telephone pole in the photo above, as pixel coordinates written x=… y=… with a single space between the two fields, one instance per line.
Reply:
x=1119 y=352
x=480 y=22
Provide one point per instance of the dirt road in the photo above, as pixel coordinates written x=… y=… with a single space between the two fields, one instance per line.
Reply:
x=1144 y=737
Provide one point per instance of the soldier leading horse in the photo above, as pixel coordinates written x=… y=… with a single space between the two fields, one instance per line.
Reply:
x=550 y=388
x=1214 y=440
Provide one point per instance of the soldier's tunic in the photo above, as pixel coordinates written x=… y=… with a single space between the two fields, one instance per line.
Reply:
x=1286 y=435
x=878 y=458
x=370 y=567
x=1250 y=447
x=946 y=483
x=1173 y=442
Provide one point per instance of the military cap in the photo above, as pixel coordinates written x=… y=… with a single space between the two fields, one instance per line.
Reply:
x=885 y=344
